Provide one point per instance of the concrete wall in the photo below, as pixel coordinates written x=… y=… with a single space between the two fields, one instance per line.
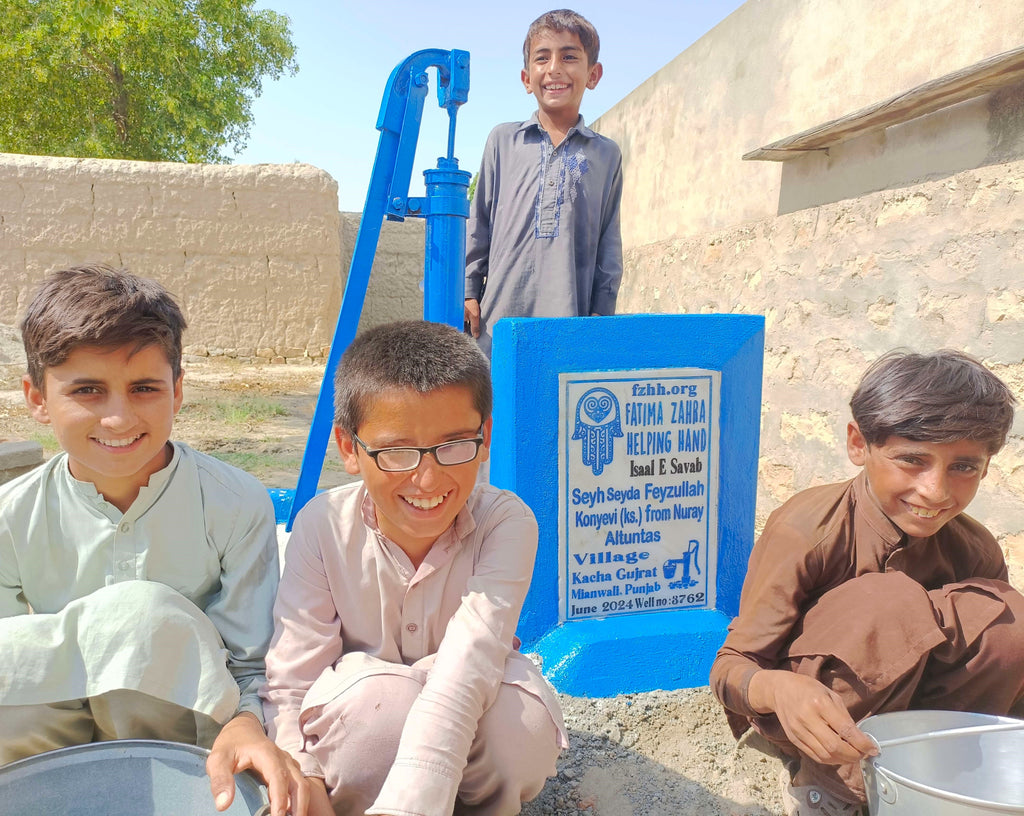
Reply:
x=911 y=236
x=940 y=264
x=772 y=69
x=256 y=255
x=978 y=132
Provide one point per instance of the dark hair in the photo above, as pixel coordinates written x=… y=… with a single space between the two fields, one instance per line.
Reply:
x=940 y=397
x=564 y=20
x=412 y=354
x=98 y=305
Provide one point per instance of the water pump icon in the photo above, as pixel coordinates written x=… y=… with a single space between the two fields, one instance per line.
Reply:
x=668 y=569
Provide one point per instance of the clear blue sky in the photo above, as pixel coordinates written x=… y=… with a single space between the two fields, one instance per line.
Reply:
x=346 y=49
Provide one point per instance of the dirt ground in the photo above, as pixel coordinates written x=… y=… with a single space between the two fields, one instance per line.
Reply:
x=664 y=753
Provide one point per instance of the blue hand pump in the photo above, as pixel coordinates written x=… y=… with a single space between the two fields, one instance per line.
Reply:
x=445 y=207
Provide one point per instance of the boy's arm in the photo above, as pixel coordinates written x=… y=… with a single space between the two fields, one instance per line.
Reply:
x=242 y=614
x=988 y=559
x=242 y=611
x=11 y=600
x=307 y=640
x=467 y=670
x=813 y=716
x=784 y=569
x=478 y=233
x=243 y=745
x=608 y=271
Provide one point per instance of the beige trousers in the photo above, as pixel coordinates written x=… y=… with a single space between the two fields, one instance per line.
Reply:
x=355 y=738
x=32 y=729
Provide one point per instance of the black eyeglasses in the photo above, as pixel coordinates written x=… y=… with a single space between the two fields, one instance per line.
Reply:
x=396 y=460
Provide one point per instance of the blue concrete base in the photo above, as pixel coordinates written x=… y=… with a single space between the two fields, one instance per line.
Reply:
x=602 y=658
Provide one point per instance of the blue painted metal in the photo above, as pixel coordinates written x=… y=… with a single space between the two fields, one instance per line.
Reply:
x=653 y=650
x=447 y=204
x=282 y=498
x=445 y=207
x=625 y=655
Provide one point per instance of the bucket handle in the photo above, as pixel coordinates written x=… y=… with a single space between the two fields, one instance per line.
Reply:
x=263 y=811
x=886 y=788
x=949 y=732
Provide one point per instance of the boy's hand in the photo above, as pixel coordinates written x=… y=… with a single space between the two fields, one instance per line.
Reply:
x=813 y=716
x=319 y=801
x=472 y=316
x=243 y=745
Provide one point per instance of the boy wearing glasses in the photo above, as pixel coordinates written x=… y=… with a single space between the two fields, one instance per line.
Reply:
x=393 y=677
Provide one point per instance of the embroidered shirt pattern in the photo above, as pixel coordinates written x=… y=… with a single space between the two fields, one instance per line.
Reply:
x=560 y=173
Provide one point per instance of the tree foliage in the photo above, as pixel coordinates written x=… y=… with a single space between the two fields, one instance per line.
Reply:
x=156 y=80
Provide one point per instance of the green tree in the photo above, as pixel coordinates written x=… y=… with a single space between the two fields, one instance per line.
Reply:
x=159 y=80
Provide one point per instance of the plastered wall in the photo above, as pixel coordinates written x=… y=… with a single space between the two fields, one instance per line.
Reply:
x=911 y=236
x=256 y=254
x=939 y=264
x=771 y=69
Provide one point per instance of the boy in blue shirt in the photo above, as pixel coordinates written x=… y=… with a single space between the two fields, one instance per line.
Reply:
x=543 y=236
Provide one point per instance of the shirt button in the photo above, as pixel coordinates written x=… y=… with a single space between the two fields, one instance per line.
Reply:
x=412 y=627
x=126 y=527
x=124 y=566
x=551 y=184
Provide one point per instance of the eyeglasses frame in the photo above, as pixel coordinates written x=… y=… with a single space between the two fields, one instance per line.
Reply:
x=373 y=453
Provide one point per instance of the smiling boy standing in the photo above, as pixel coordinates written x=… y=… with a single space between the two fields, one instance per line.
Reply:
x=137 y=575
x=543 y=237
x=879 y=594
x=394 y=676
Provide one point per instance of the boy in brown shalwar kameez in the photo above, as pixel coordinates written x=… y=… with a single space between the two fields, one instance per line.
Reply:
x=879 y=594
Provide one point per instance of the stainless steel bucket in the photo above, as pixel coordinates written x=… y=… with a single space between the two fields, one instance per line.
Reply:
x=120 y=778
x=944 y=763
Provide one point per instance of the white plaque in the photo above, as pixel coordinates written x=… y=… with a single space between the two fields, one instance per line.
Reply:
x=638 y=491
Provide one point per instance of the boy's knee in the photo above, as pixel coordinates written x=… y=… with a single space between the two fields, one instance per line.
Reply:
x=1004 y=637
x=361 y=726
x=355 y=735
x=130 y=601
x=143 y=610
x=979 y=610
x=876 y=601
x=514 y=751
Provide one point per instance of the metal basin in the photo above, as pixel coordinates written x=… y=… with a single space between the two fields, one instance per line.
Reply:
x=120 y=778
x=928 y=771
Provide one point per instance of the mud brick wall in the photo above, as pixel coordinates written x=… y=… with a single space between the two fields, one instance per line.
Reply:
x=256 y=254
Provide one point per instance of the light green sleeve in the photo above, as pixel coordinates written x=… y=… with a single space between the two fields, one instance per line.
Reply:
x=12 y=601
x=243 y=527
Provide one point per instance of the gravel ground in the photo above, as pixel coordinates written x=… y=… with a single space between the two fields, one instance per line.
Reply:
x=662 y=753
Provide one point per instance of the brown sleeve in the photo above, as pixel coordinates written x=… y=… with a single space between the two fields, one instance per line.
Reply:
x=785 y=568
